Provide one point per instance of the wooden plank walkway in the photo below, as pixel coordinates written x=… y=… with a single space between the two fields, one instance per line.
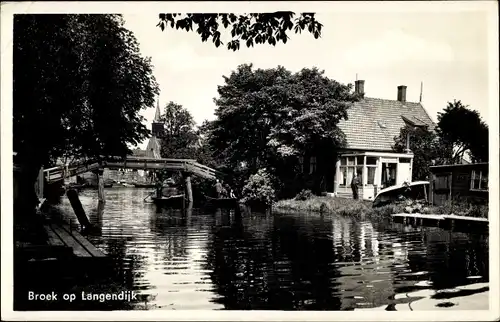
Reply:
x=420 y=216
x=454 y=222
x=466 y=218
x=63 y=235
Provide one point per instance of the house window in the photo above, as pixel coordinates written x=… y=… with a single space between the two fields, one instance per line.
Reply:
x=348 y=167
x=350 y=175
x=371 y=168
x=371 y=175
x=359 y=172
x=479 y=180
x=312 y=165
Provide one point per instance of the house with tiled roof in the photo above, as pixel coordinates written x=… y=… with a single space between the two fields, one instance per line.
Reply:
x=370 y=129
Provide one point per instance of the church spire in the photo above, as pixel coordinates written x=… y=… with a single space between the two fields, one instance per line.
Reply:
x=157 y=126
x=157 y=115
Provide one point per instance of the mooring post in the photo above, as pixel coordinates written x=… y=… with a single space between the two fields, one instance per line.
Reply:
x=100 y=185
x=189 y=189
x=78 y=208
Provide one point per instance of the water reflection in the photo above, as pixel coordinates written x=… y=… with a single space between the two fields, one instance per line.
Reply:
x=201 y=259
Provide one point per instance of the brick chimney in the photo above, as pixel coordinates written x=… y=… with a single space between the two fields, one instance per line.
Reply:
x=359 y=87
x=402 y=93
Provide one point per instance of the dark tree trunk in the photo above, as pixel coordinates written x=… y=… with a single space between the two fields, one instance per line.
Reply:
x=26 y=222
x=26 y=200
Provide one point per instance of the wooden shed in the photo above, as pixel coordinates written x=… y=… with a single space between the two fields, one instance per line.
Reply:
x=461 y=182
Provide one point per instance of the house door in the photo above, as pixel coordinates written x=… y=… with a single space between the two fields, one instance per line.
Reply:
x=389 y=174
x=441 y=188
x=403 y=173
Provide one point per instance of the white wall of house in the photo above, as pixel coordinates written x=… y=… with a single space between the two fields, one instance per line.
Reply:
x=378 y=170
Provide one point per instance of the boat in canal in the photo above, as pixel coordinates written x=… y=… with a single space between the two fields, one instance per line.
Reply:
x=417 y=190
x=222 y=202
x=78 y=186
x=124 y=184
x=167 y=196
x=144 y=185
x=174 y=201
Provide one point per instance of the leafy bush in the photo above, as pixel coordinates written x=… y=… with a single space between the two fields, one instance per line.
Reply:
x=357 y=208
x=461 y=208
x=259 y=189
x=305 y=194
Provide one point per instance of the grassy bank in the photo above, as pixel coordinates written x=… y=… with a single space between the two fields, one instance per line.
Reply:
x=351 y=207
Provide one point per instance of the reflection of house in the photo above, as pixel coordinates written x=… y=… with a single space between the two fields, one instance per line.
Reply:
x=370 y=130
x=464 y=181
x=365 y=275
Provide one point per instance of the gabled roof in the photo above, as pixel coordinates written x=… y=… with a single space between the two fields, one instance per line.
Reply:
x=373 y=123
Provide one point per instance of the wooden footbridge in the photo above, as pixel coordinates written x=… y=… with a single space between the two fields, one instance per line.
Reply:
x=189 y=166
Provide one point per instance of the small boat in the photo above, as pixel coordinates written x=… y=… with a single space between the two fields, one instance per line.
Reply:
x=417 y=190
x=124 y=184
x=169 y=201
x=76 y=186
x=94 y=186
x=222 y=202
x=144 y=185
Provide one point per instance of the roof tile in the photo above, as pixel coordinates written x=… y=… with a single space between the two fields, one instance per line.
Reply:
x=373 y=123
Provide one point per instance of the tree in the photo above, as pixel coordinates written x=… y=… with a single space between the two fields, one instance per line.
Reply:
x=464 y=130
x=267 y=118
x=259 y=189
x=426 y=148
x=180 y=139
x=79 y=82
x=251 y=28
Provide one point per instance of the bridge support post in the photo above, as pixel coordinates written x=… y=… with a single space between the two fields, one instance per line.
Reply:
x=188 y=188
x=78 y=208
x=100 y=185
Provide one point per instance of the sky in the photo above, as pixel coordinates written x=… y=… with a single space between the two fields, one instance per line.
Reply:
x=446 y=51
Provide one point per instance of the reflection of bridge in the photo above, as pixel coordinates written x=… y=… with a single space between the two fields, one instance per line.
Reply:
x=190 y=166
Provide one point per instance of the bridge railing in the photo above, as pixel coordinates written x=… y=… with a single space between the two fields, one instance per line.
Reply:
x=189 y=165
x=64 y=171
x=203 y=171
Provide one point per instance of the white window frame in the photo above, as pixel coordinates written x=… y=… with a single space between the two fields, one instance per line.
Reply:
x=355 y=166
x=374 y=166
x=473 y=177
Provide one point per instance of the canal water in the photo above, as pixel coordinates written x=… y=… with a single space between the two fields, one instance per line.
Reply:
x=203 y=259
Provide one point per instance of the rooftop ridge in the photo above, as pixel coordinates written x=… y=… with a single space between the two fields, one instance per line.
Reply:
x=391 y=100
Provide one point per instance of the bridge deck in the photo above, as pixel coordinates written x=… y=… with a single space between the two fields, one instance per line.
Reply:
x=188 y=165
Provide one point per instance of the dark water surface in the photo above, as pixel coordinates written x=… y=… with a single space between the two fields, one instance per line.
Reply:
x=213 y=260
